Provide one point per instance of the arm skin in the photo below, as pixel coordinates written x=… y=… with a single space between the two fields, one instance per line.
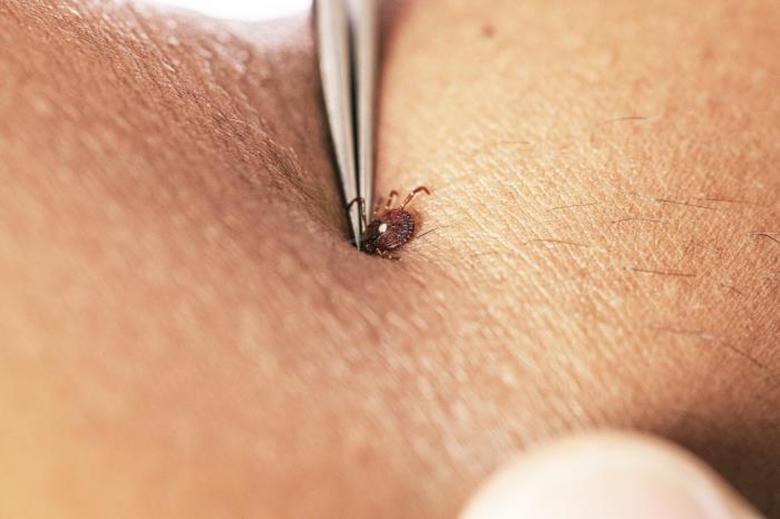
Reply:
x=187 y=333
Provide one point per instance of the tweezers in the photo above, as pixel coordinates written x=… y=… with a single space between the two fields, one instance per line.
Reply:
x=347 y=45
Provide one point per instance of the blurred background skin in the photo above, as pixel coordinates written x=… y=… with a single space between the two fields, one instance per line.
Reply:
x=186 y=332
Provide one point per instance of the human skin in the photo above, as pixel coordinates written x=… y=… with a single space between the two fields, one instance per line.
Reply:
x=187 y=332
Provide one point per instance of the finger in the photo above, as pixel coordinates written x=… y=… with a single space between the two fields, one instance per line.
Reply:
x=605 y=476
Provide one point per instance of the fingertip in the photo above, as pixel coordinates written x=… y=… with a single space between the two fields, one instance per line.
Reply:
x=605 y=476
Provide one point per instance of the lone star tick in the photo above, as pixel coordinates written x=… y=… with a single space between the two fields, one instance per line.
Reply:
x=390 y=227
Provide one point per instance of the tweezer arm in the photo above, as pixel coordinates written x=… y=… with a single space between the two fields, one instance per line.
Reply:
x=333 y=46
x=364 y=17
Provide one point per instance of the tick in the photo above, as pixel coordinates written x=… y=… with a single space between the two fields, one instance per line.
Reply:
x=390 y=227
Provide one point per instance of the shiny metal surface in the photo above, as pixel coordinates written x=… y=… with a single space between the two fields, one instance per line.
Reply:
x=347 y=44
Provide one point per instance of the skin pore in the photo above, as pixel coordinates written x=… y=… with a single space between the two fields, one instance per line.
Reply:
x=187 y=332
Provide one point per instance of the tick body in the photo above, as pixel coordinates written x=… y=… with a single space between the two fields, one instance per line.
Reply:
x=390 y=227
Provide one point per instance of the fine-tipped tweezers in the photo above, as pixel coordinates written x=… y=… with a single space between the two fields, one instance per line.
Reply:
x=347 y=41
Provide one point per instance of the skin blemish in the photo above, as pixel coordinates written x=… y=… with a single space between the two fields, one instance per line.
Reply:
x=390 y=227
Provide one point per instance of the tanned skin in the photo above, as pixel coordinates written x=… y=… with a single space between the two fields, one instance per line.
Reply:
x=187 y=332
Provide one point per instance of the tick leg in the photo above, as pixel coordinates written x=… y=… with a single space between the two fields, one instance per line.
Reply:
x=415 y=191
x=361 y=207
x=391 y=198
x=377 y=206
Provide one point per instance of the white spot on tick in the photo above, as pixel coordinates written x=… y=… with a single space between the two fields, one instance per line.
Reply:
x=382 y=228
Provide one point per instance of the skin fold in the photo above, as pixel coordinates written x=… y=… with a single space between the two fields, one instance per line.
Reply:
x=186 y=331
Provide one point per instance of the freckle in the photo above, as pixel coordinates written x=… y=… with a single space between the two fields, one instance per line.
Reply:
x=488 y=31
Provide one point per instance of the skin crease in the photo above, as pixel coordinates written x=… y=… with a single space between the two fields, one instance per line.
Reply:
x=187 y=333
